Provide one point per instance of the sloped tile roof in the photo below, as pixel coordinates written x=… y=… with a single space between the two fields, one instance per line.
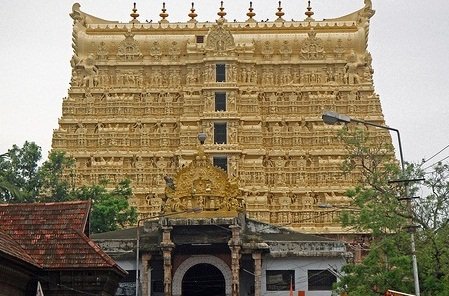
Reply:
x=12 y=248
x=53 y=234
x=43 y=218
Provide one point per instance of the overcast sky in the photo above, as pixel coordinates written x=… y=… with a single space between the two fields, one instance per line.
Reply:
x=408 y=41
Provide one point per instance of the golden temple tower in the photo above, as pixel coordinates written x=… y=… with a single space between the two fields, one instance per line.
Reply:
x=141 y=92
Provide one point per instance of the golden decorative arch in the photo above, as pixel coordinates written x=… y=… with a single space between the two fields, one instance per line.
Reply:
x=201 y=185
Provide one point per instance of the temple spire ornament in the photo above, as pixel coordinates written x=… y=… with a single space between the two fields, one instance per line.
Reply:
x=192 y=14
x=309 y=13
x=279 y=14
x=250 y=13
x=134 y=14
x=222 y=13
x=163 y=14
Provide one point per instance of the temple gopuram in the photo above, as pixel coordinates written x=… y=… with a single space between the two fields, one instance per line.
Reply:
x=140 y=93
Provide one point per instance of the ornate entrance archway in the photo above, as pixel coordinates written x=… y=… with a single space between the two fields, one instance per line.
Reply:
x=212 y=264
x=203 y=280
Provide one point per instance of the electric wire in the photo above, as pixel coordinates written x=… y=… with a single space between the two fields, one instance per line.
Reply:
x=427 y=160
x=435 y=163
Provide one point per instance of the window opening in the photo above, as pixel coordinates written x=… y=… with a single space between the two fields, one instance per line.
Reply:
x=220 y=101
x=220 y=72
x=220 y=133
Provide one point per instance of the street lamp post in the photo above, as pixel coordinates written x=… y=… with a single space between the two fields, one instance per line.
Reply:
x=192 y=210
x=331 y=117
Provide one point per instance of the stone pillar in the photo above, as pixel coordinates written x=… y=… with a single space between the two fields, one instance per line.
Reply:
x=235 y=246
x=144 y=279
x=358 y=253
x=257 y=256
x=167 y=247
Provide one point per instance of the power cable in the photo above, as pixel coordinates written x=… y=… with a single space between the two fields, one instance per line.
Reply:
x=435 y=163
x=427 y=160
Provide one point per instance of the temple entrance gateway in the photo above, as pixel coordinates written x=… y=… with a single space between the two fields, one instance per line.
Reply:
x=203 y=280
x=187 y=271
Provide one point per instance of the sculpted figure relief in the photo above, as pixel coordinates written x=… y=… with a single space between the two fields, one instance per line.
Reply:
x=174 y=51
x=312 y=48
x=102 y=51
x=219 y=39
x=128 y=49
x=155 y=51
x=267 y=50
x=285 y=50
x=351 y=75
x=90 y=71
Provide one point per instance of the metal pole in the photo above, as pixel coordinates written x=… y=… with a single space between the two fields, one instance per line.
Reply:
x=409 y=203
x=192 y=210
x=137 y=257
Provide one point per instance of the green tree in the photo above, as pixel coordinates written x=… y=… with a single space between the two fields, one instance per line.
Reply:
x=110 y=209
x=23 y=180
x=54 y=186
x=431 y=213
x=388 y=265
x=19 y=180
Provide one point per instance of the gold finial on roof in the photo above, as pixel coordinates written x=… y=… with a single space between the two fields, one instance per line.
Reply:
x=163 y=14
x=309 y=13
x=222 y=13
x=192 y=14
x=250 y=13
x=134 y=14
x=279 y=14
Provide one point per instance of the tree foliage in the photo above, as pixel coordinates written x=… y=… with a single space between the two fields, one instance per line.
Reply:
x=110 y=209
x=385 y=213
x=22 y=179
x=19 y=180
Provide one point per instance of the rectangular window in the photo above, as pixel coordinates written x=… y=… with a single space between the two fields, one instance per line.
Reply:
x=199 y=39
x=320 y=280
x=220 y=133
x=220 y=72
x=280 y=280
x=220 y=101
x=221 y=162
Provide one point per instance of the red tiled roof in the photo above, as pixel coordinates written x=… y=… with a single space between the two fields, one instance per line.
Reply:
x=12 y=248
x=53 y=234
x=39 y=218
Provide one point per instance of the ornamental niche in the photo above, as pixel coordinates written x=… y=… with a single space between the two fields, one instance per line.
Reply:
x=128 y=49
x=203 y=186
x=219 y=39
x=312 y=48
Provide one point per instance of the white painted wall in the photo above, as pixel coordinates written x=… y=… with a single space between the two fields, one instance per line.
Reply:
x=127 y=264
x=300 y=265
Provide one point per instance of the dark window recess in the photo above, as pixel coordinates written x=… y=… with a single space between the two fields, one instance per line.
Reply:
x=157 y=286
x=221 y=162
x=131 y=277
x=199 y=39
x=220 y=134
x=280 y=280
x=220 y=101
x=320 y=280
x=220 y=72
